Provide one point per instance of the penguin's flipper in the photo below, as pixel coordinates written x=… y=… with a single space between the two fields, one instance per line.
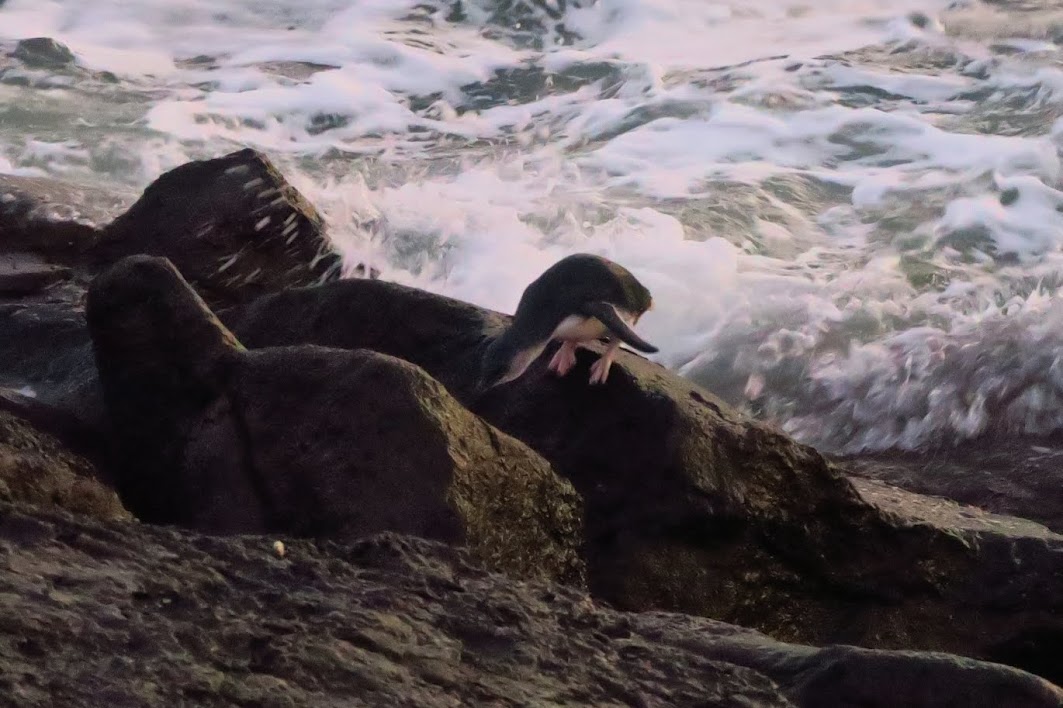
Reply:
x=607 y=315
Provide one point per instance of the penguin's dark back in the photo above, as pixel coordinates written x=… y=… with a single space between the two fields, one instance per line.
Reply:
x=574 y=280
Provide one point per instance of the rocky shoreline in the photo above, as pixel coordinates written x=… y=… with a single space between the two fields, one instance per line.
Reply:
x=198 y=365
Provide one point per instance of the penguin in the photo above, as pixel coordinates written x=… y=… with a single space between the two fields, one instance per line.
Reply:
x=579 y=299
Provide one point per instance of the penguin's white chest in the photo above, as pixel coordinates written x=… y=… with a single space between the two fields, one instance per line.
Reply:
x=576 y=328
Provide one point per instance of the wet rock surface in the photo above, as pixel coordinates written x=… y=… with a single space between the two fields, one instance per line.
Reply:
x=37 y=469
x=46 y=348
x=945 y=513
x=58 y=221
x=65 y=427
x=307 y=440
x=25 y=274
x=1016 y=477
x=140 y=615
x=233 y=226
x=685 y=505
x=691 y=508
x=43 y=52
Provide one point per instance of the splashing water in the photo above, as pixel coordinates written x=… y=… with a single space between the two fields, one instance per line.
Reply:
x=848 y=212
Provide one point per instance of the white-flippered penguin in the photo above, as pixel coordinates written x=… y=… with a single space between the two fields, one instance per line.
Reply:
x=581 y=298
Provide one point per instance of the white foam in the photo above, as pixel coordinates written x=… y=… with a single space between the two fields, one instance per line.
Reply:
x=833 y=243
x=916 y=87
x=693 y=33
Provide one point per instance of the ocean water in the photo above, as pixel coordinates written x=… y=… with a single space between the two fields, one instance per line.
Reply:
x=849 y=212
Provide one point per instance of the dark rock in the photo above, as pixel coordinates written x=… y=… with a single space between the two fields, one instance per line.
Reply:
x=140 y=615
x=850 y=676
x=919 y=19
x=43 y=53
x=233 y=227
x=77 y=437
x=37 y=469
x=802 y=574
x=689 y=507
x=945 y=513
x=307 y=440
x=56 y=220
x=389 y=448
x=46 y=347
x=294 y=70
x=1015 y=476
x=53 y=239
x=441 y=335
x=23 y=274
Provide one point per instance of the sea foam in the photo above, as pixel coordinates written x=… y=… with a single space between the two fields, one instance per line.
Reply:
x=848 y=212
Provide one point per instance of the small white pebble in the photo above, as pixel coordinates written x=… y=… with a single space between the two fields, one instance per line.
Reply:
x=278 y=548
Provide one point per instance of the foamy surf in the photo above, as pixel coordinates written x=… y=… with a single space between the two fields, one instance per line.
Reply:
x=848 y=212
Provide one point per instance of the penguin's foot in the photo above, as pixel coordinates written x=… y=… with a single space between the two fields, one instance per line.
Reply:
x=600 y=368
x=564 y=358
